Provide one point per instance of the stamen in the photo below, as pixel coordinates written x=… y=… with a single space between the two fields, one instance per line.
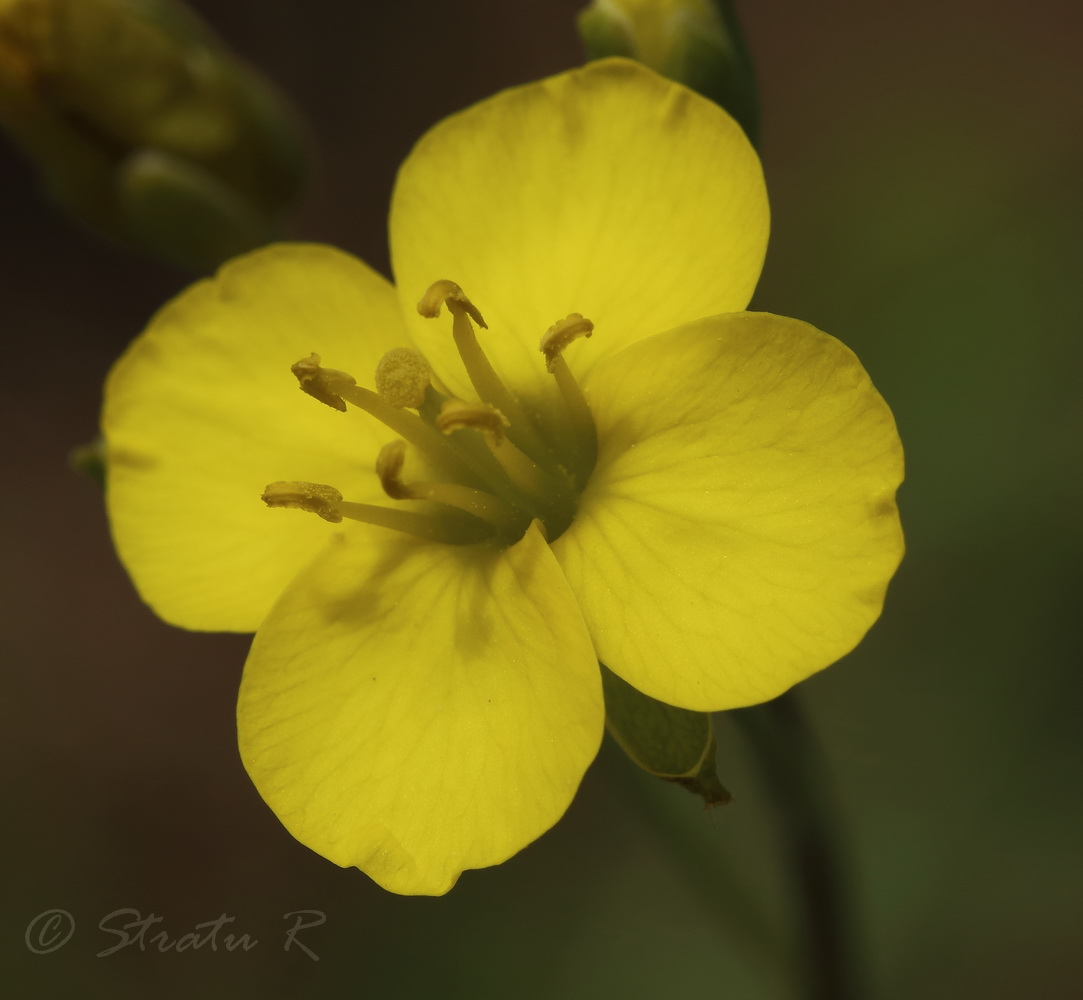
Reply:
x=473 y=451
x=561 y=334
x=456 y=414
x=444 y=291
x=321 y=383
x=556 y=338
x=482 y=374
x=503 y=475
x=338 y=388
x=313 y=497
x=328 y=503
x=422 y=525
x=483 y=505
x=402 y=377
x=389 y=469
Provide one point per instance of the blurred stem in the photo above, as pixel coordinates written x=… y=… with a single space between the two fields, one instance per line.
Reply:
x=710 y=874
x=795 y=773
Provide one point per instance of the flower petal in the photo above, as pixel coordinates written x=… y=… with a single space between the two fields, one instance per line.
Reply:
x=607 y=191
x=740 y=528
x=202 y=412
x=417 y=709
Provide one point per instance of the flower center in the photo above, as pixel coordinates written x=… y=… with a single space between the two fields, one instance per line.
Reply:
x=489 y=471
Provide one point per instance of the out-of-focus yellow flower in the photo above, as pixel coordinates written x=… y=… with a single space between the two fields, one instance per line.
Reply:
x=700 y=497
x=144 y=127
x=655 y=30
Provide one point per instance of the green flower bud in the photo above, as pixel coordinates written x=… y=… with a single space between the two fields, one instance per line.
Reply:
x=696 y=42
x=145 y=127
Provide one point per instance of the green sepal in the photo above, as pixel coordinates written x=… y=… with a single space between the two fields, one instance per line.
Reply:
x=671 y=743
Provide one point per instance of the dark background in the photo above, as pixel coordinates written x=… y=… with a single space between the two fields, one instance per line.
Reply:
x=923 y=161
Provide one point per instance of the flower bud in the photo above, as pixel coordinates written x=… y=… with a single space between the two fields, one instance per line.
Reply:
x=145 y=127
x=695 y=42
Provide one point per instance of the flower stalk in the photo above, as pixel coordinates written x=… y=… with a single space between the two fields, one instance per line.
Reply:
x=793 y=770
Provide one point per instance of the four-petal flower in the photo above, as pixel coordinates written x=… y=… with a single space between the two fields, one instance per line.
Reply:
x=716 y=523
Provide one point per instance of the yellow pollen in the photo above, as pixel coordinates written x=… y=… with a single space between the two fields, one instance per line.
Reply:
x=457 y=414
x=444 y=291
x=561 y=334
x=323 y=384
x=313 y=497
x=402 y=376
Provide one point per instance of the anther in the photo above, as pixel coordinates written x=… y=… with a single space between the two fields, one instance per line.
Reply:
x=324 y=384
x=402 y=377
x=458 y=414
x=337 y=389
x=447 y=292
x=561 y=334
x=313 y=497
x=525 y=474
x=389 y=468
x=328 y=503
x=556 y=338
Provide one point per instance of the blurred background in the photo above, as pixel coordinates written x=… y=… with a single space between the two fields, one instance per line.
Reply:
x=924 y=164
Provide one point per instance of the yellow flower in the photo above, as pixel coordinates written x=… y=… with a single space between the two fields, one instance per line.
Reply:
x=700 y=497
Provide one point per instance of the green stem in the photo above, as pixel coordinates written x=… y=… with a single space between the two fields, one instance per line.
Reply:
x=708 y=872
x=793 y=767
